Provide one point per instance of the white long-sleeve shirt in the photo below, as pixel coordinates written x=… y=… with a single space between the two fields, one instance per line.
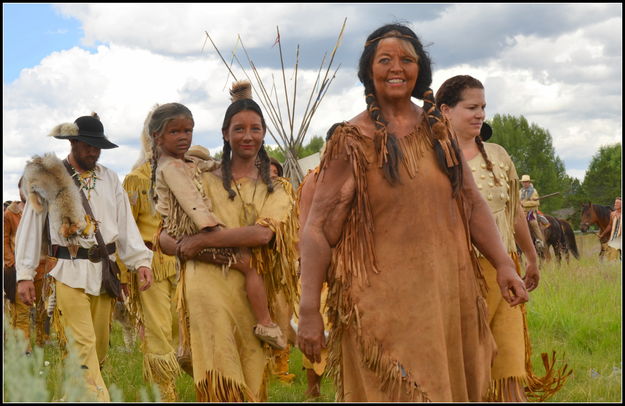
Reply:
x=110 y=206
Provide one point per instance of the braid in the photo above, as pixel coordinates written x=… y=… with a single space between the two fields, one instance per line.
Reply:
x=489 y=164
x=226 y=170
x=265 y=164
x=446 y=148
x=154 y=162
x=386 y=145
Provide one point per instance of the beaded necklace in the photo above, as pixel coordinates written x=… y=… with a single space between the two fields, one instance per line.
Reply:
x=87 y=180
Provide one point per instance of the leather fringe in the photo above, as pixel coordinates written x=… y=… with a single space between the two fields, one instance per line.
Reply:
x=183 y=313
x=277 y=262
x=160 y=368
x=500 y=389
x=413 y=148
x=355 y=252
x=215 y=387
x=480 y=281
x=352 y=259
x=137 y=188
x=539 y=389
x=57 y=325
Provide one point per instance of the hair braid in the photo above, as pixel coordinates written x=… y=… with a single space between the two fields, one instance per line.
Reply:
x=446 y=148
x=265 y=167
x=226 y=170
x=489 y=164
x=154 y=163
x=386 y=145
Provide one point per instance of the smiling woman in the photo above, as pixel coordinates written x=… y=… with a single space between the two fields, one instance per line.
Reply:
x=391 y=217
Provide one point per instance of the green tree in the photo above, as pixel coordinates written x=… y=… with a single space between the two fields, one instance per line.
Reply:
x=602 y=182
x=313 y=146
x=532 y=152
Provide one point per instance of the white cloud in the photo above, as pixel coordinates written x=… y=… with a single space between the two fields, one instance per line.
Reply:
x=179 y=28
x=558 y=65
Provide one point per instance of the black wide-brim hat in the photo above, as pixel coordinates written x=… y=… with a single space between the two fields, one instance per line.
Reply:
x=486 y=131
x=87 y=129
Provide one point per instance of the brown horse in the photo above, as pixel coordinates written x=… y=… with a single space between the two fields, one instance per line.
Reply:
x=559 y=236
x=599 y=216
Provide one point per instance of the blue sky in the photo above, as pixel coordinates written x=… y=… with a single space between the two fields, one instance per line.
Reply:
x=559 y=65
x=31 y=32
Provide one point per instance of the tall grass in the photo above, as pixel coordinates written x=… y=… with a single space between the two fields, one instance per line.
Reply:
x=576 y=311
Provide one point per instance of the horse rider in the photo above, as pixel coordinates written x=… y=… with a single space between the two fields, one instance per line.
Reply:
x=530 y=202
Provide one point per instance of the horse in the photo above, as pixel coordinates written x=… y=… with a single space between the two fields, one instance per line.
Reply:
x=570 y=244
x=600 y=216
x=558 y=235
x=542 y=251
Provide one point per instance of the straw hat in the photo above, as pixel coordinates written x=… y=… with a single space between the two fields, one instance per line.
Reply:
x=525 y=178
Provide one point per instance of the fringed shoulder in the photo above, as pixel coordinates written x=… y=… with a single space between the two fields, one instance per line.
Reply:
x=137 y=185
x=355 y=252
x=346 y=142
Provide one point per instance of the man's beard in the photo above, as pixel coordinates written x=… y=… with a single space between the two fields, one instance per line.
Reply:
x=86 y=164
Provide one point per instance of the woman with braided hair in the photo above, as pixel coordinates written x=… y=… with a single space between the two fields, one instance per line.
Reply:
x=461 y=100
x=390 y=228
x=186 y=210
x=220 y=328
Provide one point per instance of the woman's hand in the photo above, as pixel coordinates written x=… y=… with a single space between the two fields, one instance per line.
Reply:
x=310 y=337
x=244 y=257
x=188 y=247
x=532 y=276
x=145 y=277
x=512 y=287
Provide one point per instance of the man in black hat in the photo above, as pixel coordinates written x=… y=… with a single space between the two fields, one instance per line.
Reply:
x=55 y=205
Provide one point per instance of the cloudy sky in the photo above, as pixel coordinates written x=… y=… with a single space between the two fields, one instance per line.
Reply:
x=558 y=65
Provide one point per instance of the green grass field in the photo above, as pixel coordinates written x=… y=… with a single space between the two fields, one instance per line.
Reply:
x=575 y=311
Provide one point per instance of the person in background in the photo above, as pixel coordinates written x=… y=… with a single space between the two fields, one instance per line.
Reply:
x=54 y=204
x=155 y=308
x=530 y=202
x=614 y=228
x=462 y=101
x=20 y=312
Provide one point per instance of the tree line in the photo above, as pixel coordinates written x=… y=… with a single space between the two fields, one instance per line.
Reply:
x=532 y=152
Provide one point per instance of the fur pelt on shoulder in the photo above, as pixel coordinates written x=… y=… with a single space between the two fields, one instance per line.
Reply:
x=46 y=182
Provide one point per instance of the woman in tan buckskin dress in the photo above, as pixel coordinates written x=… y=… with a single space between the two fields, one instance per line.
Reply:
x=229 y=362
x=461 y=100
x=390 y=229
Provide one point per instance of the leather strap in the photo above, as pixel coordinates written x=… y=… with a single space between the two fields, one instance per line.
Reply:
x=87 y=207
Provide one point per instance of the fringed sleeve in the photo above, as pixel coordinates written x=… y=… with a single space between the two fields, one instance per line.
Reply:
x=277 y=261
x=188 y=210
x=355 y=252
x=354 y=255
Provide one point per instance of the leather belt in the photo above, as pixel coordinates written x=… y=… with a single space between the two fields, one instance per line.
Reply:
x=92 y=254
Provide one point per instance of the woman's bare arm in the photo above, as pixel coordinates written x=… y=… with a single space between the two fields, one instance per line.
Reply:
x=485 y=236
x=333 y=193
x=524 y=239
x=244 y=237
